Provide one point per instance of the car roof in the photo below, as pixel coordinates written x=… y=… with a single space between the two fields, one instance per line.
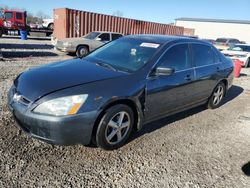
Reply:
x=163 y=39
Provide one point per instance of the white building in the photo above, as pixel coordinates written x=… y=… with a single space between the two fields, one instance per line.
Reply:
x=217 y=28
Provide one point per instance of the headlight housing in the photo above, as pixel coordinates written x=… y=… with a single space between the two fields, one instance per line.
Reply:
x=62 y=106
x=67 y=44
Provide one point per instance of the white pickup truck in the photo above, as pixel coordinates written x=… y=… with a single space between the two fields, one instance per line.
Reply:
x=48 y=23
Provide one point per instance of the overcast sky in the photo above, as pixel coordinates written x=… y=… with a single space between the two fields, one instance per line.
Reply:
x=164 y=11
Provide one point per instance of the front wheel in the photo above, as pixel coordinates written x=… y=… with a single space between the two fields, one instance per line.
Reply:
x=82 y=51
x=217 y=96
x=115 y=127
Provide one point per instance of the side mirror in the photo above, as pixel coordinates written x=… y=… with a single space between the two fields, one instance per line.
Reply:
x=98 y=39
x=163 y=71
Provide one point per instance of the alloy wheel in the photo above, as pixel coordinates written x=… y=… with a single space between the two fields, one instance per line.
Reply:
x=117 y=127
x=218 y=95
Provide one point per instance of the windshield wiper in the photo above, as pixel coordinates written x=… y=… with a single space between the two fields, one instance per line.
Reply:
x=106 y=65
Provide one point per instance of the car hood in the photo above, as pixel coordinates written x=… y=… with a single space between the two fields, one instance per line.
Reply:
x=41 y=81
x=233 y=52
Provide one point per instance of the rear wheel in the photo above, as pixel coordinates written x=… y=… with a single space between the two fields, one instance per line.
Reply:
x=1 y=32
x=217 y=96
x=115 y=127
x=82 y=51
x=247 y=63
x=51 y=26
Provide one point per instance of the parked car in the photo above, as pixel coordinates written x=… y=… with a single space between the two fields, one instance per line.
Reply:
x=83 y=45
x=241 y=52
x=209 y=40
x=117 y=88
x=225 y=43
x=48 y=23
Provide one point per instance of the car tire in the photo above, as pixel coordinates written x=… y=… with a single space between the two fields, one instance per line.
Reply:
x=217 y=96
x=115 y=127
x=1 y=32
x=82 y=51
x=51 y=26
x=247 y=63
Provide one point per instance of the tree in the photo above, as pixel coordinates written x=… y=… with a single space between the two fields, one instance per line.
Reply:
x=118 y=13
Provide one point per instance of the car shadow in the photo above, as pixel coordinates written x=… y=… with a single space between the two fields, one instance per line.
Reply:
x=27 y=46
x=233 y=92
x=9 y=54
x=246 y=168
x=243 y=75
x=29 y=37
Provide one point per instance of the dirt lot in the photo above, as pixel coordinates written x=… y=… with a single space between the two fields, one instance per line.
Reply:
x=196 y=148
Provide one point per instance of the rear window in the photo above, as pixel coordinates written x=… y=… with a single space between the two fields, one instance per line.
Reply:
x=116 y=36
x=203 y=55
x=234 y=41
x=19 y=16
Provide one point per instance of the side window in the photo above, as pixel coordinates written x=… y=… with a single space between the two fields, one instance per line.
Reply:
x=105 y=37
x=177 y=57
x=203 y=55
x=8 y=15
x=19 y=16
x=116 y=36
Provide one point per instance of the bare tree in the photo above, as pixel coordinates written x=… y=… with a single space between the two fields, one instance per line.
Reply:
x=118 y=13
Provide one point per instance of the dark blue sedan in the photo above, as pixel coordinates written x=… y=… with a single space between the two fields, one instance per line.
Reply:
x=117 y=88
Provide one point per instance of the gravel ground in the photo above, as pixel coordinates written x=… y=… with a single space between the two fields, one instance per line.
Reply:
x=196 y=148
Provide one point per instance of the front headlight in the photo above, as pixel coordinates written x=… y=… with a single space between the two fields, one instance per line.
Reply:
x=67 y=44
x=62 y=106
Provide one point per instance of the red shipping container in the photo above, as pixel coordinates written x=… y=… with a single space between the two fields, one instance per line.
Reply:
x=70 y=23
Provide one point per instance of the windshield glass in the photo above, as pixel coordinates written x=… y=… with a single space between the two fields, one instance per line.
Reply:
x=240 y=48
x=91 y=35
x=125 y=54
x=221 y=40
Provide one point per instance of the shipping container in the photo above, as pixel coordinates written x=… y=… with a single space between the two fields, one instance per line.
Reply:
x=70 y=23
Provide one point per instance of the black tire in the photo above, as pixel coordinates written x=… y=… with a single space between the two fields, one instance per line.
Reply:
x=104 y=137
x=1 y=32
x=82 y=51
x=219 y=92
x=51 y=26
x=247 y=63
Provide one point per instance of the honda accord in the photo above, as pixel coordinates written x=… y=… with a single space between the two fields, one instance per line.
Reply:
x=118 y=88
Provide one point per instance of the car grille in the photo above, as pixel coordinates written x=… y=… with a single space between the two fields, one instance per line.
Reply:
x=59 y=44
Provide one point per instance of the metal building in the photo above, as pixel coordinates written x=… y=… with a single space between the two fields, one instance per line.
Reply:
x=217 y=28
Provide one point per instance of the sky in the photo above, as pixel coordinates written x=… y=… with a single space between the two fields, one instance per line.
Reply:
x=163 y=11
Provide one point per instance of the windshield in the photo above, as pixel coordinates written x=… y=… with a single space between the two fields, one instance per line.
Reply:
x=125 y=54
x=221 y=40
x=91 y=35
x=240 y=48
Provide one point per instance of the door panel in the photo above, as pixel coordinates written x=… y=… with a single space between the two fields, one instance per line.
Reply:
x=169 y=93
x=207 y=70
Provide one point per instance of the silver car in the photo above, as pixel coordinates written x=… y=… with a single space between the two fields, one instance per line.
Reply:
x=83 y=45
